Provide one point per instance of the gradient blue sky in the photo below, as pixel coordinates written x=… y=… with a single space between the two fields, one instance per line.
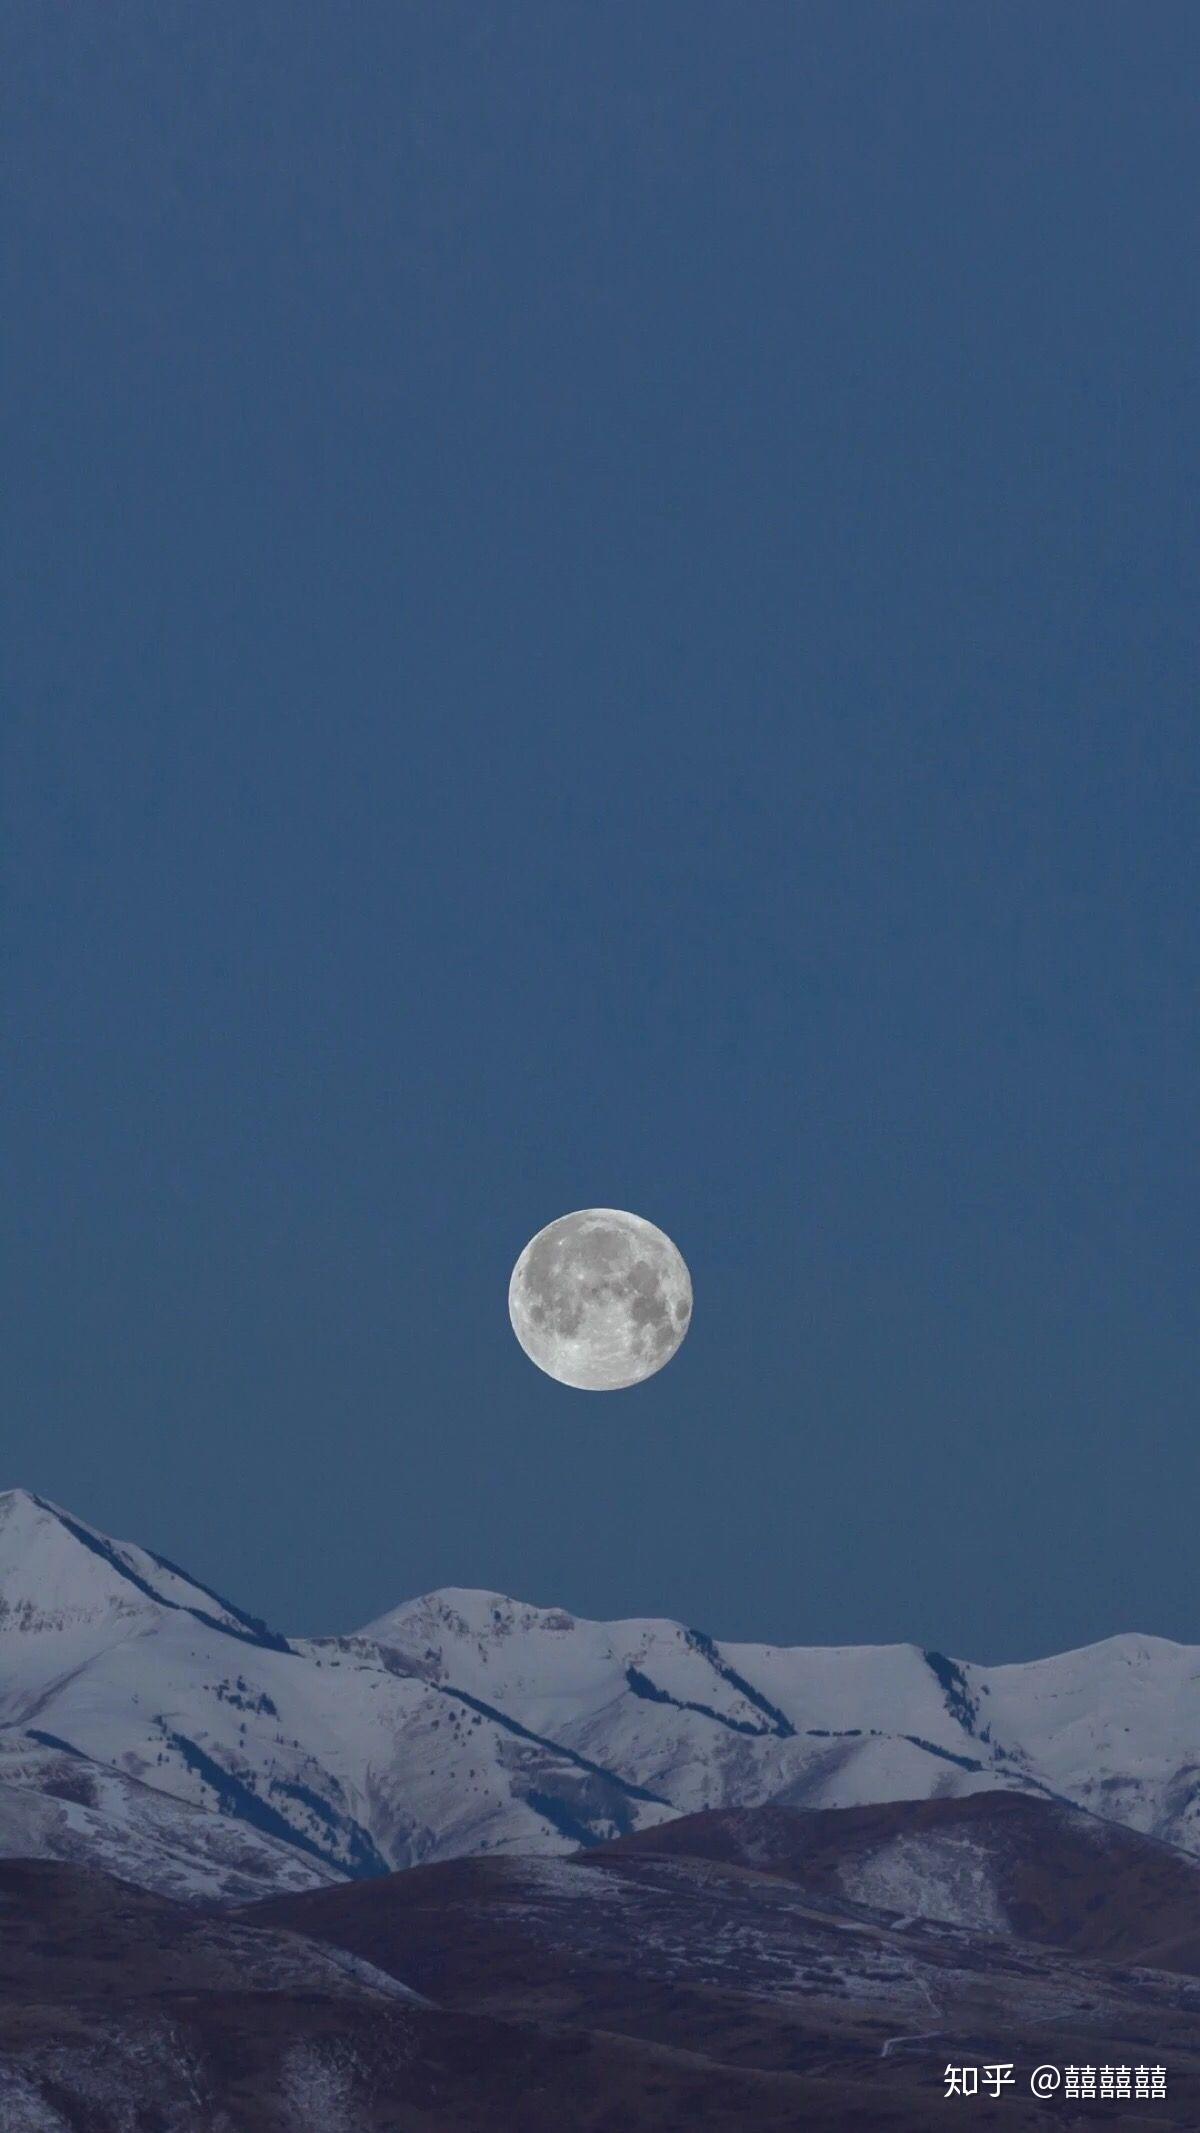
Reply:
x=603 y=610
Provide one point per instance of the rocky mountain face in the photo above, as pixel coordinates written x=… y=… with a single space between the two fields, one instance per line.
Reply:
x=648 y=1879
x=727 y=1972
x=155 y=1729
x=1007 y=1863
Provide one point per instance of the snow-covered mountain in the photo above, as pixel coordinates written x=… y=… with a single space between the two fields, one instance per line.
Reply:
x=1114 y=1727
x=142 y=1715
x=55 y=1805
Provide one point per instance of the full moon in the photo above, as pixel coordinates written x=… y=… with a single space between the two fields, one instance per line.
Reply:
x=600 y=1299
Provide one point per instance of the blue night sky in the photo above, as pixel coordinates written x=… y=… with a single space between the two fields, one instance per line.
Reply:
x=603 y=610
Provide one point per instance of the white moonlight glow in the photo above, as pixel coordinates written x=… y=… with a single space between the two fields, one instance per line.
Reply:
x=600 y=1299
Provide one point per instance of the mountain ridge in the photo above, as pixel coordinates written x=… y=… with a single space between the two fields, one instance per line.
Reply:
x=464 y=1721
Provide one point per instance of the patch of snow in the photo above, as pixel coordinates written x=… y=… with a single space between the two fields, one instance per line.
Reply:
x=365 y=1973
x=570 y=1880
x=318 y=2087
x=944 y=1877
x=23 y=2109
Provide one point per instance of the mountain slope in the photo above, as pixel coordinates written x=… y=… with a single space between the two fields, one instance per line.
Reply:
x=1004 y=1862
x=122 y=2010
x=202 y=1752
x=331 y=1751
x=672 y=1938
x=65 y=1807
x=662 y=1984
x=1115 y=1727
x=62 y=1578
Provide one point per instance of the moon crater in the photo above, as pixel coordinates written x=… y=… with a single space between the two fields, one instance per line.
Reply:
x=600 y=1299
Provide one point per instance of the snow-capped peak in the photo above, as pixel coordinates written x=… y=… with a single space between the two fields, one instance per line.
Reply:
x=467 y=1721
x=58 y=1573
x=462 y=1611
